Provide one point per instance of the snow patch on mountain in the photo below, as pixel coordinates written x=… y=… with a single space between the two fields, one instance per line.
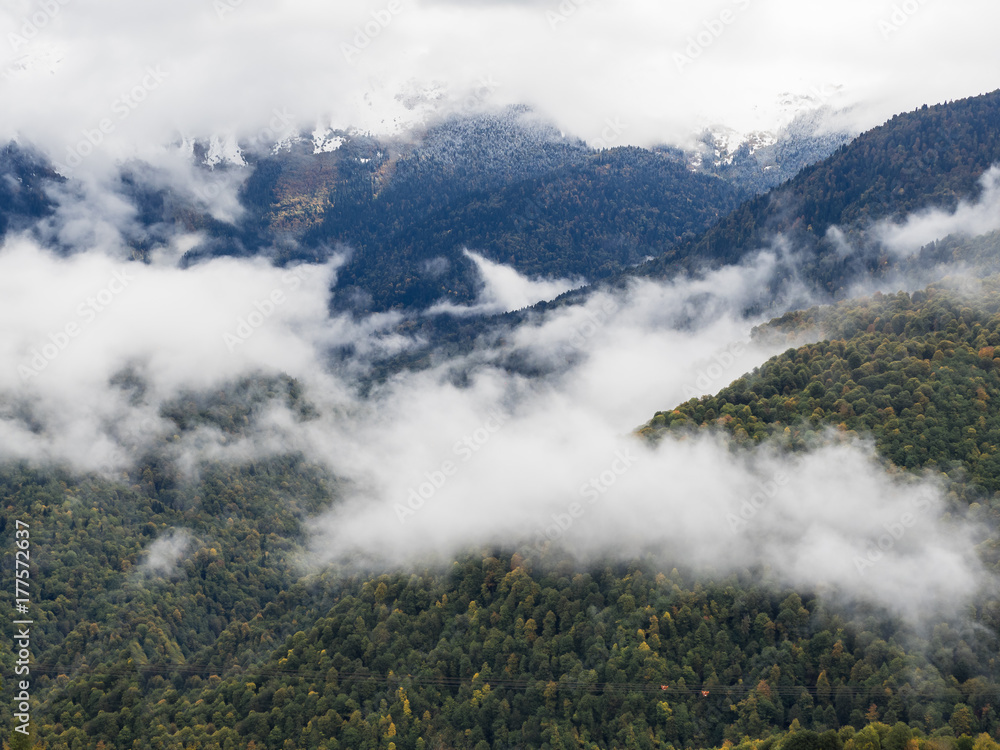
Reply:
x=387 y=111
x=726 y=143
x=326 y=140
x=810 y=112
x=224 y=150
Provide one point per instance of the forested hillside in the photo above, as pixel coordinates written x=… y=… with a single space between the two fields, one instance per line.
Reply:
x=24 y=177
x=177 y=603
x=589 y=219
x=173 y=614
x=555 y=211
x=506 y=185
x=932 y=157
x=917 y=372
x=221 y=643
x=500 y=375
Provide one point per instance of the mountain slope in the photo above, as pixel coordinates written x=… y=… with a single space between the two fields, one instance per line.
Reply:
x=916 y=372
x=588 y=219
x=215 y=642
x=504 y=185
x=762 y=161
x=932 y=157
x=24 y=177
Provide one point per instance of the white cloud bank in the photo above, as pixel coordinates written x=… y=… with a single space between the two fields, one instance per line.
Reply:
x=969 y=219
x=225 y=67
x=468 y=453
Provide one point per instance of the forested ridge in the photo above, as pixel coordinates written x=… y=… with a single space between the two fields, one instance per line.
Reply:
x=230 y=643
x=175 y=606
x=929 y=158
x=505 y=184
x=232 y=646
x=24 y=177
x=587 y=219
x=915 y=371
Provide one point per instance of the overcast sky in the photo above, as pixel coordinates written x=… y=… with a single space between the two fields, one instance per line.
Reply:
x=228 y=65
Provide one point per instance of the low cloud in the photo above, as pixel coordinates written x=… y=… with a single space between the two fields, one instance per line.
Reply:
x=505 y=290
x=83 y=320
x=832 y=519
x=68 y=69
x=164 y=555
x=469 y=451
x=969 y=219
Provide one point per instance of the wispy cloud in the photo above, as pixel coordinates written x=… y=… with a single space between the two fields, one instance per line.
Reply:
x=970 y=219
x=505 y=290
x=604 y=59
x=164 y=554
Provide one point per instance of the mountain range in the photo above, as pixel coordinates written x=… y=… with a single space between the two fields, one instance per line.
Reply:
x=178 y=601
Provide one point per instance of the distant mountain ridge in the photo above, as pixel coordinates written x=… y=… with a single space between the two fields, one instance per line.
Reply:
x=24 y=176
x=505 y=184
x=932 y=157
x=760 y=161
